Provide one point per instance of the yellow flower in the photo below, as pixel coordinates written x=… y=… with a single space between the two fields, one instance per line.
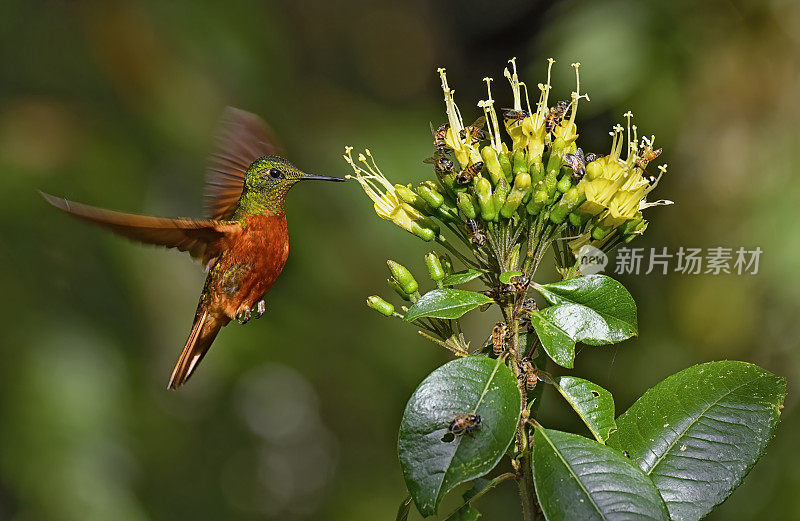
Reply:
x=616 y=189
x=386 y=202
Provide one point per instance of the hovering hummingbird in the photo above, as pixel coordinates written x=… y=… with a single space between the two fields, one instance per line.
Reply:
x=244 y=242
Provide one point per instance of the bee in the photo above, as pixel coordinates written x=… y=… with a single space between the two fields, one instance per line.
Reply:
x=475 y=131
x=519 y=284
x=476 y=234
x=466 y=424
x=556 y=114
x=439 y=137
x=577 y=162
x=468 y=174
x=648 y=157
x=499 y=333
x=442 y=164
x=528 y=307
x=591 y=156
x=531 y=374
x=517 y=115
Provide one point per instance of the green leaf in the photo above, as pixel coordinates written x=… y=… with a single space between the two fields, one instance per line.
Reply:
x=606 y=304
x=479 y=487
x=506 y=276
x=467 y=512
x=461 y=277
x=699 y=432
x=580 y=323
x=556 y=342
x=593 y=404
x=446 y=303
x=578 y=479
x=474 y=385
x=404 y=509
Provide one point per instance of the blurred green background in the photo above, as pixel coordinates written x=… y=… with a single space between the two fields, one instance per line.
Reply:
x=295 y=416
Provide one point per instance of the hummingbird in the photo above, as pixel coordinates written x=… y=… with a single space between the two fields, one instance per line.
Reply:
x=243 y=242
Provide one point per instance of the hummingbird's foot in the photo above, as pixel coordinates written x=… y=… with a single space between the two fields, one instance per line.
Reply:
x=243 y=316
x=261 y=307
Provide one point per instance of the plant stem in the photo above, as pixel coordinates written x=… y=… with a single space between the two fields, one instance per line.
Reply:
x=527 y=493
x=525 y=474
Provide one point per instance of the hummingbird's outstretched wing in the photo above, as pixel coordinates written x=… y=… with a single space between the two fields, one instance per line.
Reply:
x=204 y=240
x=242 y=138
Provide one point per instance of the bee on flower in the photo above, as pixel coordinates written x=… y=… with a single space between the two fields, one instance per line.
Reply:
x=519 y=174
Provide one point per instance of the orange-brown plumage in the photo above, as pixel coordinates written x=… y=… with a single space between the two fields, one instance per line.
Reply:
x=244 y=243
x=235 y=285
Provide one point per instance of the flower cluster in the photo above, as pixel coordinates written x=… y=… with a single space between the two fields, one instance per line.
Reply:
x=542 y=179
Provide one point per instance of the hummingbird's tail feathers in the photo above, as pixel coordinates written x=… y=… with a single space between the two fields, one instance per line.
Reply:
x=202 y=239
x=204 y=331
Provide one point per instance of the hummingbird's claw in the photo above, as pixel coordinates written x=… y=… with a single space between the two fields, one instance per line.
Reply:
x=243 y=316
x=261 y=307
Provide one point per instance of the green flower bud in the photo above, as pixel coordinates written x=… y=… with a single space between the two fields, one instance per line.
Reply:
x=520 y=163
x=556 y=155
x=632 y=228
x=600 y=232
x=550 y=183
x=466 y=203
x=537 y=202
x=641 y=226
x=483 y=190
x=500 y=193
x=397 y=289
x=568 y=202
x=578 y=219
x=403 y=276
x=490 y=159
x=380 y=305
x=434 y=267
x=558 y=214
x=422 y=220
x=536 y=169
x=431 y=197
x=423 y=232
x=522 y=185
x=565 y=183
x=408 y=196
x=447 y=213
x=594 y=170
x=505 y=164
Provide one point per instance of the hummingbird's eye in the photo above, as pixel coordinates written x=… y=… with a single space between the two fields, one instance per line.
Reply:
x=276 y=174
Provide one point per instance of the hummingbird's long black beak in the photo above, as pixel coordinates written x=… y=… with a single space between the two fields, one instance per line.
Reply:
x=313 y=177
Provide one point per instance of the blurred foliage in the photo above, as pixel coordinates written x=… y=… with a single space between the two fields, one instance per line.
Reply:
x=114 y=103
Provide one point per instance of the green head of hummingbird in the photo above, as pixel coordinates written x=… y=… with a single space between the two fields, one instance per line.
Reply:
x=267 y=181
x=244 y=241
